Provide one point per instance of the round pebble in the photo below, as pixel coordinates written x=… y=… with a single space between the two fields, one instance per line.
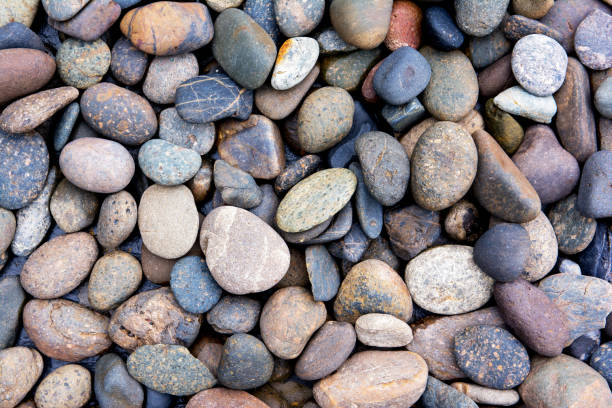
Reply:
x=168 y=164
x=234 y=314
x=402 y=76
x=21 y=368
x=479 y=18
x=165 y=74
x=128 y=63
x=502 y=251
x=67 y=387
x=382 y=330
x=117 y=219
x=531 y=8
x=82 y=64
x=296 y=58
x=245 y=363
x=593 y=42
x=362 y=23
x=72 y=208
x=114 y=278
x=193 y=286
x=23 y=71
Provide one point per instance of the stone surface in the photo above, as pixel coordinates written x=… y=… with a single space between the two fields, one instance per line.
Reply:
x=168 y=164
x=330 y=42
x=388 y=378
x=193 y=286
x=594 y=193
x=402 y=76
x=323 y=273
x=499 y=186
x=296 y=58
x=113 y=279
x=168 y=28
x=438 y=394
x=594 y=260
x=298 y=17
x=169 y=369
x=479 y=18
x=12 y=299
x=21 y=368
x=601 y=361
x=348 y=70
x=222 y=397
x=326 y=351
x=404 y=26
x=516 y=27
x=67 y=387
x=496 y=77
x=165 y=74
x=483 y=51
x=452 y=91
x=369 y=210
x=351 y=246
x=20 y=11
x=441 y=29
x=382 y=330
x=502 y=251
x=65 y=330
x=464 y=222
x=234 y=314
x=402 y=116
x=245 y=363
x=371 y=286
x=91 y=22
x=153 y=317
x=543 y=253
x=592 y=40
x=118 y=114
x=411 y=230
x=296 y=171
x=128 y=63
x=574 y=231
x=262 y=11
x=117 y=219
x=72 y=208
x=66 y=125
x=113 y=386
x=531 y=8
x=23 y=72
x=484 y=395
x=519 y=102
x=444 y=163
x=363 y=24
x=82 y=64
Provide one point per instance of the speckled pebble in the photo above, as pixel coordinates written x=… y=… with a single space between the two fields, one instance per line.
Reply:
x=593 y=40
x=574 y=231
x=234 y=314
x=601 y=360
x=479 y=18
x=485 y=395
x=165 y=74
x=113 y=386
x=323 y=273
x=117 y=219
x=298 y=17
x=12 y=299
x=66 y=387
x=245 y=363
x=296 y=58
x=519 y=102
x=168 y=164
x=193 y=286
x=114 y=278
x=72 y=208
x=348 y=70
x=82 y=64
x=128 y=63
x=196 y=136
x=20 y=11
x=411 y=230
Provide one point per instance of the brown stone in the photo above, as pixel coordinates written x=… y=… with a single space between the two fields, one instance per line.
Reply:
x=363 y=23
x=210 y=355
x=367 y=88
x=288 y=320
x=23 y=71
x=297 y=274
x=405 y=25
x=503 y=127
x=472 y=122
x=153 y=317
x=411 y=230
x=532 y=8
x=484 y=395
x=575 y=121
x=463 y=222
x=118 y=217
x=26 y=114
x=200 y=183
x=223 y=398
x=59 y=265
x=68 y=386
x=434 y=339
x=605 y=133
x=496 y=77
x=390 y=379
x=328 y=349
x=254 y=145
x=65 y=330
x=91 y=22
x=73 y=208
x=410 y=139
x=21 y=368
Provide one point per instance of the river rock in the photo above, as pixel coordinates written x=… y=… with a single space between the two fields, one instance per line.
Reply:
x=593 y=260
x=368 y=288
x=323 y=273
x=222 y=397
x=83 y=64
x=585 y=300
x=441 y=29
x=128 y=63
x=574 y=231
x=117 y=219
x=484 y=395
x=402 y=76
x=295 y=172
x=564 y=381
x=502 y=251
x=594 y=194
x=411 y=230
x=369 y=210
x=603 y=103
x=12 y=300
x=168 y=28
x=404 y=26
x=483 y=51
x=331 y=43
x=26 y=114
x=439 y=394
x=23 y=71
x=464 y=222
x=601 y=361
x=234 y=314
x=496 y=77
x=153 y=317
x=59 y=265
x=531 y=8
x=211 y=97
x=168 y=164
x=168 y=220
x=326 y=351
x=361 y=23
x=200 y=184
x=72 y=208
x=193 y=286
x=516 y=27
x=298 y=17
x=519 y=102
x=348 y=71
x=245 y=363
x=107 y=108
x=387 y=378
x=19 y=11
x=66 y=387
x=226 y=236
x=114 y=278
x=169 y=369
x=165 y=74
x=21 y=368
x=296 y=58
x=65 y=330
x=478 y=18
x=113 y=385
x=91 y=22
x=382 y=330
x=452 y=91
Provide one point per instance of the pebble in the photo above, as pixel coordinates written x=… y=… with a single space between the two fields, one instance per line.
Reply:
x=369 y=210
x=169 y=369
x=361 y=23
x=298 y=17
x=168 y=164
x=437 y=184
x=262 y=11
x=193 y=286
x=117 y=219
x=26 y=114
x=21 y=368
x=603 y=100
x=594 y=198
x=269 y=204
x=245 y=363
x=483 y=51
x=464 y=222
x=382 y=330
x=168 y=28
x=72 y=208
x=194 y=136
x=91 y=23
x=113 y=386
x=564 y=381
x=452 y=91
x=236 y=187
x=118 y=114
x=65 y=330
x=153 y=317
x=295 y=172
x=114 y=278
x=220 y=5
x=503 y=127
x=593 y=260
x=402 y=76
x=19 y=11
x=404 y=26
x=484 y=395
x=502 y=251
x=331 y=345
x=574 y=231
x=342 y=154
x=66 y=387
x=445 y=280
x=234 y=314
x=154 y=399
x=23 y=72
x=17 y=35
x=168 y=220
x=200 y=184
x=66 y=125
x=592 y=40
x=165 y=74
x=339 y=227
x=247 y=57
x=569 y=266
x=585 y=300
x=128 y=63
x=601 y=360
x=516 y=27
x=331 y=43
x=531 y=8
x=296 y=58
x=59 y=265
x=386 y=378
x=83 y=64
x=222 y=397
x=347 y=71
x=371 y=286
x=441 y=29
x=439 y=394
x=411 y=230
x=402 y=116
x=517 y=101
x=552 y=171
x=239 y=264
x=12 y=300
x=323 y=273
x=351 y=246
x=479 y=19
x=585 y=345
x=208 y=98
x=499 y=186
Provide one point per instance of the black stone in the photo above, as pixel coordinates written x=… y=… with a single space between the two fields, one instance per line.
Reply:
x=340 y=227
x=352 y=246
x=262 y=11
x=296 y=171
x=596 y=259
x=17 y=35
x=323 y=273
x=502 y=251
x=584 y=346
x=440 y=29
x=245 y=363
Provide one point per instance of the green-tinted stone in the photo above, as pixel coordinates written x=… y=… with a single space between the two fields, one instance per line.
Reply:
x=245 y=363
x=315 y=199
x=503 y=127
x=484 y=51
x=113 y=279
x=348 y=71
x=169 y=369
x=168 y=164
x=82 y=64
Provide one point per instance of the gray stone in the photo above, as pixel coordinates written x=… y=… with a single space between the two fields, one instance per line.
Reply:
x=237 y=188
x=72 y=208
x=603 y=98
x=519 y=102
x=595 y=192
x=438 y=394
x=12 y=299
x=166 y=73
x=480 y=17
x=382 y=330
x=296 y=58
x=113 y=386
x=234 y=314
x=298 y=17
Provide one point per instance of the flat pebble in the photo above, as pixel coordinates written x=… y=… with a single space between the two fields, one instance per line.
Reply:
x=165 y=74
x=361 y=23
x=592 y=41
x=479 y=18
x=113 y=386
x=502 y=251
x=128 y=63
x=245 y=363
x=594 y=198
x=23 y=72
x=516 y=27
x=484 y=395
x=323 y=273
x=168 y=164
x=21 y=368
x=91 y=22
x=234 y=314
x=114 y=278
x=296 y=58
x=72 y=208
x=66 y=387
x=83 y=64
x=519 y=102
x=441 y=29
x=574 y=231
x=193 y=286
x=439 y=394
x=382 y=330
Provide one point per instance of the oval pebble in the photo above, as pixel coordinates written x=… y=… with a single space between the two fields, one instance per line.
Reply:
x=245 y=363
x=83 y=64
x=593 y=40
x=165 y=74
x=298 y=17
x=502 y=251
x=21 y=368
x=117 y=219
x=113 y=386
x=72 y=208
x=193 y=286
x=23 y=72
x=128 y=63
x=113 y=279
x=363 y=23
x=382 y=330
x=166 y=163
x=296 y=58
x=479 y=18
x=234 y=314
x=66 y=387
x=402 y=76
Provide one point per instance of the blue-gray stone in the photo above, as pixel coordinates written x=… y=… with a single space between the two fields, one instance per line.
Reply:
x=369 y=210
x=25 y=163
x=236 y=187
x=113 y=386
x=234 y=314
x=323 y=273
x=596 y=259
x=402 y=76
x=157 y=399
x=440 y=29
x=262 y=11
x=584 y=346
x=402 y=116
x=245 y=363
x=595 y=192
x=330 y=42
x=168 y=164
x=12 y=299
x=17 y=35
x=212 y=97
x=65 y=126
x=601 y=360
x=341 y=154
x=441 y=395
x=298 y=17
x=339 y=227
x=266 y=210
x=351 y=246
x=193 y=286
x=127 y=3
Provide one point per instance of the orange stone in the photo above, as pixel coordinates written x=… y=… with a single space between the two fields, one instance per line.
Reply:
x=405 y=25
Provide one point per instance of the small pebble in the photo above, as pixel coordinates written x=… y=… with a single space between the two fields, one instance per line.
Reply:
x=83 y=64
x=114 y=278
x=382 y=330
x=193 y=286
x=234 y=314
x=67 y=387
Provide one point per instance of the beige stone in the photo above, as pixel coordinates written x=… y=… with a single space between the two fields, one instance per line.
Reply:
x=484 y=395
x=382 y=330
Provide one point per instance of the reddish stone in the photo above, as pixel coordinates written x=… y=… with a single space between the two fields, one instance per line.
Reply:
x=91 y=22
x=23 y=71
x=405 y=25
x=367 y=89
x=496 y=77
